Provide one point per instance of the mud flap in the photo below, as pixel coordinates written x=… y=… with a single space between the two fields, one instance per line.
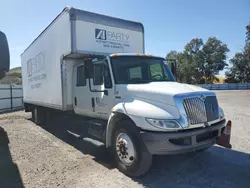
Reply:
x=224 y=139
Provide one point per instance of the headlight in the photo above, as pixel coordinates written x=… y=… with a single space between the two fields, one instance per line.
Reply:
x=222 y=116
x=164 y=124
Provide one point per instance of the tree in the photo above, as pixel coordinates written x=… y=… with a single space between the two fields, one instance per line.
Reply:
x=248 y=34
x=247 y=46
x=199 y=62
x=214 y=52
x=194 y=56
x=239 y=72
x=193 y=47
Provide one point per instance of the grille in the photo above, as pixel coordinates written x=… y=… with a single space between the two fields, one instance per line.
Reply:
x=201 y=111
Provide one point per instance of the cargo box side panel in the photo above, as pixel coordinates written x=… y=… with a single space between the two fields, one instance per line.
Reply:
x=97 y=38
x=41 y=64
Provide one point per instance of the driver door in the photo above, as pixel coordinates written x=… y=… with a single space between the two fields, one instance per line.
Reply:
x=102 y=90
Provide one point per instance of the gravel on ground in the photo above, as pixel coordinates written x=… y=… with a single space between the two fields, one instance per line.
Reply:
x=49 y=156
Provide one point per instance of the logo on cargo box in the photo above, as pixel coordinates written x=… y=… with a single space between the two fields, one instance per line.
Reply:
x=112 y=39
x=107 y=35
x=36 y=64
x=100 y=34
x=36 y=70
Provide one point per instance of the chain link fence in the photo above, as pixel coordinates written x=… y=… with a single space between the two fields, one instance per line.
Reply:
x=226 y=86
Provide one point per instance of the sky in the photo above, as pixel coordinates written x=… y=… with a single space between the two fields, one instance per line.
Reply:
x=169 y=24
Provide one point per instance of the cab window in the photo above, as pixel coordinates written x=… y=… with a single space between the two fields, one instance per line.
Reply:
x=98 y=74
x=81 y=80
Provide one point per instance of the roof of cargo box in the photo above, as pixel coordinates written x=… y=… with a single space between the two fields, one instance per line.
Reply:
x=77 y=14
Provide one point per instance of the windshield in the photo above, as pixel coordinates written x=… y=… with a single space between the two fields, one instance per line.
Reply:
x=140 y=69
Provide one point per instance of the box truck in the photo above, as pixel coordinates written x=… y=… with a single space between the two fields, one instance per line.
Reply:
x=94 y=66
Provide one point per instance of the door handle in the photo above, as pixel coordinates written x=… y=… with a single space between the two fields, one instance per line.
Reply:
x=93 y=102
x=75 y=101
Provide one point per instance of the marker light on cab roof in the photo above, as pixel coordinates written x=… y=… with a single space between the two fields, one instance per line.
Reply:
x=113 y=55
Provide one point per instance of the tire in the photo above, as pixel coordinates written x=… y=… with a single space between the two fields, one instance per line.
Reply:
x=141 y=161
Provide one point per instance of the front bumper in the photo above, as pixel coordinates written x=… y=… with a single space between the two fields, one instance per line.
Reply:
x=182 y=141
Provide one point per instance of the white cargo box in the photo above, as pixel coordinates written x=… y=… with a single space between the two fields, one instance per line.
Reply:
x=73 y=33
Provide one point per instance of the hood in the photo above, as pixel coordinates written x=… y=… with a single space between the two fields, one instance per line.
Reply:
x=158 y=91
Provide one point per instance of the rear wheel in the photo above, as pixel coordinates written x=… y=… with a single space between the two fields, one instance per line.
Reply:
x=132 y=157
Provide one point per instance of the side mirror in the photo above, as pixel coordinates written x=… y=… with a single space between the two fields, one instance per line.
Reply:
x=4 y=55
x=173 y=68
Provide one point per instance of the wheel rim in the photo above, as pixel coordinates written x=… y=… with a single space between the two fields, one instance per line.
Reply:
x=125 y=149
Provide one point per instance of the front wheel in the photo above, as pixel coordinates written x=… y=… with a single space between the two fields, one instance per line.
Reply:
x=132 y=157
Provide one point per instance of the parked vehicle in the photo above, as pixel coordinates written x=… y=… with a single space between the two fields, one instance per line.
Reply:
x=4 y=55
x=94 y=65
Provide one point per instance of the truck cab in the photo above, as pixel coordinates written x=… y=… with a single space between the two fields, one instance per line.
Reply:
x=107 y=82
x=137 y=95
